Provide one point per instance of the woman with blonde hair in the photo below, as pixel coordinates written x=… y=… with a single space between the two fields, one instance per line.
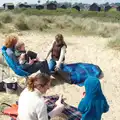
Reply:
x=57 y=50
x=32 y=105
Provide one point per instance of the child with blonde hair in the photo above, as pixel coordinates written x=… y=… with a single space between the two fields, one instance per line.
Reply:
x=23 y=56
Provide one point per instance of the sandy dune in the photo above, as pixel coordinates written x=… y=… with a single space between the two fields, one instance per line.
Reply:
x=80 y=49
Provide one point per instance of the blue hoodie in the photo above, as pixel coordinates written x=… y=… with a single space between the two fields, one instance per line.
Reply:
x=94 y=103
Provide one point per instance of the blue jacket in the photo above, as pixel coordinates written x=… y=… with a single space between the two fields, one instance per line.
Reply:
x=94 y=103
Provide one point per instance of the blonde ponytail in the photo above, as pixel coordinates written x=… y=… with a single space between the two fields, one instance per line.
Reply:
x=30 y=83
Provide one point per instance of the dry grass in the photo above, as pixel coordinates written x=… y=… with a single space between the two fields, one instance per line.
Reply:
x=6 y=17
x=10 y=22
x=86 y=26
x=114 y=43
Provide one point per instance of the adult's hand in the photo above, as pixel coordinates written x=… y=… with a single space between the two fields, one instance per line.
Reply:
x=57 y=67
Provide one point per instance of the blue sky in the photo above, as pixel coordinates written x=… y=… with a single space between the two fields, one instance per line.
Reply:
x=42 y=1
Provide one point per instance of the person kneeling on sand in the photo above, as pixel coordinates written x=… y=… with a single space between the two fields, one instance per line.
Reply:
x=57 y=50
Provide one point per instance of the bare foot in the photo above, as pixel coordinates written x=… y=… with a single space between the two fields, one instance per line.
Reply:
x=52 y=78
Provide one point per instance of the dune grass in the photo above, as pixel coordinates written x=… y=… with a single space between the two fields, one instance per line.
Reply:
x=115 y=43
x=103 y=24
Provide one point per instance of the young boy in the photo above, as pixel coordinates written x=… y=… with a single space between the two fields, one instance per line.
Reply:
x=23 y=56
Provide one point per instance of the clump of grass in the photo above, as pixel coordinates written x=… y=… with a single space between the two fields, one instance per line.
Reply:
x=43 y=27
x=48 y=20
x=37 y=23
x=1 y=25
x=7 y=30
x=114 y=44
x=107 y=29
x=6 y=17
x=21 y=23
x=31 y=23
x=63 y=22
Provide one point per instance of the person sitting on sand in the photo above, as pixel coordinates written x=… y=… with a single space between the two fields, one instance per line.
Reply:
x=57 y=50
x=94 y=104
x=31 y=104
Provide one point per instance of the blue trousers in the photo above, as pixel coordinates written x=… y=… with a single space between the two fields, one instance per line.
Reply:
x=52 y=64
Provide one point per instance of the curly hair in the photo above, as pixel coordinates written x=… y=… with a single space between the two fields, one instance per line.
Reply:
x=10 y=41
x=40 y=78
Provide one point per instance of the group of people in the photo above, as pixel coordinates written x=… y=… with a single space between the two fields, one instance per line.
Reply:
x=31 y=105
x=29 y=60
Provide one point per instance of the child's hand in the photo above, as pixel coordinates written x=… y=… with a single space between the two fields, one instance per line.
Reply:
x=36 y=59
x=31 y=61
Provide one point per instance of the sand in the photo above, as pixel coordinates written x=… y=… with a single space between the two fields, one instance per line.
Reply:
x=80 y=49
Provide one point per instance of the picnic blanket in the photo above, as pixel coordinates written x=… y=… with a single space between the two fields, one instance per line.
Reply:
x=71 y=112
x=80 y=71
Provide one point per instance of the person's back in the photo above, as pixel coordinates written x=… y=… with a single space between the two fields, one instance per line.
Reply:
x=11 y=54
x=94 y=104
x=30 y=104
x=95 y=111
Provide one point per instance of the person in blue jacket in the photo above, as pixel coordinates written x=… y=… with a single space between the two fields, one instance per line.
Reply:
x=94 y=104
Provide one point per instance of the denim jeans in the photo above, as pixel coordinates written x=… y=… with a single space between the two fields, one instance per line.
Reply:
x=52 y=64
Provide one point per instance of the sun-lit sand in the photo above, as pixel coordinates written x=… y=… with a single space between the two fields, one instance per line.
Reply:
x=80 y=49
